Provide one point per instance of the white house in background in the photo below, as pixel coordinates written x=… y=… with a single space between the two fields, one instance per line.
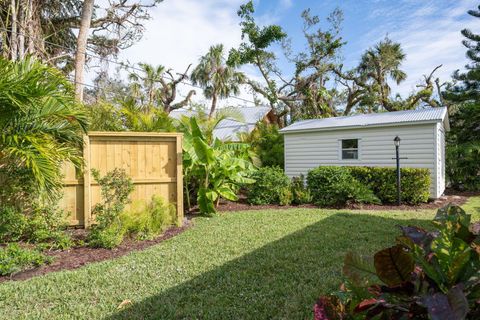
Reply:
x=229 y=129
x=367 y=140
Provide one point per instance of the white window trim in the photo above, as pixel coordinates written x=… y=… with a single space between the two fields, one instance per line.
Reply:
x=359 y=158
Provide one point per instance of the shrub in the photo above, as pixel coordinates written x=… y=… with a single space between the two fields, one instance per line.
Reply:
x=40 y=225
x=463 y=166
x=268 y=143
x=13 y=259
x=147 y=221
x=336 y=186
x=301 y=194
x=270 y=186
x=115 y=187
x=383 y=182
x=425 y=275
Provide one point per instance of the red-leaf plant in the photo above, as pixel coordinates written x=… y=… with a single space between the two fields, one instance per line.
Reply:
x=426 y=275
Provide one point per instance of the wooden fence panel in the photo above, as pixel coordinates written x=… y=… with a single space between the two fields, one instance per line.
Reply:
x=152 y=160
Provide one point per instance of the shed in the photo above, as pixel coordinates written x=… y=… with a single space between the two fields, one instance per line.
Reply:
x=230 y=129
x=367 y=140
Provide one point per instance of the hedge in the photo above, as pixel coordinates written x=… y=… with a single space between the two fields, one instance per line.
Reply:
x=271 y=186
x=331 y=186
x=337 y=184
x=383 y=182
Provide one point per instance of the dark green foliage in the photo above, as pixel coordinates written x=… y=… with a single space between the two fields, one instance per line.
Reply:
x=13 y=259
x=44 y=226
x=116 y=187
x=383 y=182
x=331 y=186
x=463 y=97
x=462 y=165
x=271 y=186
x=426 y=275
x=268 y=144
x=301 y=194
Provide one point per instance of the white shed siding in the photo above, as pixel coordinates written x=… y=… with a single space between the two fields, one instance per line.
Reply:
x=307 y=150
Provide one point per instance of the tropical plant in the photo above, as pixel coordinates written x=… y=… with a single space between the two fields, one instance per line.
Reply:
x=212 y=169
x=41 y=126
x=217 y=79
x=157 y=87
x=267 y=143
x=426 y=275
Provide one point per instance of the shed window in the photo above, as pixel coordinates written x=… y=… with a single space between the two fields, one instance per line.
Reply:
x=349 y=149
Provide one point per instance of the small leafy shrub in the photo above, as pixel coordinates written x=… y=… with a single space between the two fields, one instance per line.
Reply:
x=39 y=225
x=270 y=187
x=301 y=194
x=285 y=197
x=12 y=224
x=115 y=187
x=147 y=221
x=383 y=182
x=331 y=186
x=14 y=259
x=425 y=275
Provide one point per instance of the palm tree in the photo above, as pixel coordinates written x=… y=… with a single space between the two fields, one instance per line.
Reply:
x=217 y=79
x=147 y=86
x=377 y=66
x=41 y=125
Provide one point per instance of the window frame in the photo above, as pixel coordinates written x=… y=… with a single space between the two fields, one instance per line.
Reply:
x=340 y=149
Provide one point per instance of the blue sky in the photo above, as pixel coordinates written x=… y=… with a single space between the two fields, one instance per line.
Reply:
x=180 y=31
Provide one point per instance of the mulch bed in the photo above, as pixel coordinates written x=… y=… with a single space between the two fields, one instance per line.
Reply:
x=79 y=256
x=458 y=198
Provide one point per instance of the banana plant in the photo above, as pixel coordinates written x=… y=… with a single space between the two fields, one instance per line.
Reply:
x=214 y=170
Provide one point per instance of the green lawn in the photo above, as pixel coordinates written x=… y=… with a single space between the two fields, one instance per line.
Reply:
x=245 y=265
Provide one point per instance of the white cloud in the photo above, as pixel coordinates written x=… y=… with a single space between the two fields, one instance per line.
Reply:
x=430 y=36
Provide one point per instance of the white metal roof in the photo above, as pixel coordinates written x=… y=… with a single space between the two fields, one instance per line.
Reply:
x=229 y=129
x=372 y=119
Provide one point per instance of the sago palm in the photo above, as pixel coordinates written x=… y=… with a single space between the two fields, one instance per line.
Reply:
x=217 y=79
x=41 y=125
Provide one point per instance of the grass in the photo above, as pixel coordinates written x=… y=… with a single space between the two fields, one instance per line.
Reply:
x=270 y=264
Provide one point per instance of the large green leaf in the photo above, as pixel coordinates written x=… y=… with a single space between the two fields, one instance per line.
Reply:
x=394 y=265
x=359 y=269
x=203 y=151
x=227 y=193
x=205 y=199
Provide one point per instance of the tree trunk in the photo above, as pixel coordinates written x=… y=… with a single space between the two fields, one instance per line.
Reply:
x=31 y=38
x=85 y=21
x=13 y=35
x=214 y=105
x=21 y=29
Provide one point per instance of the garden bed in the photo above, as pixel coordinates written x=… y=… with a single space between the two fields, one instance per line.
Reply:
x=458 y=198
x=77 y=257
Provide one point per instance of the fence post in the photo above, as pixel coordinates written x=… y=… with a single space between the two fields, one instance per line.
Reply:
x=179 y=177
x=87 y=206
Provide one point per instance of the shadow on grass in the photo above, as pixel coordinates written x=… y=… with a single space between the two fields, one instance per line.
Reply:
x=280 y=280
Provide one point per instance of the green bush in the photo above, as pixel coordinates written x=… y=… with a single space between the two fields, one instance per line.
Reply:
x=336 y=186
x=146 y=222
x=14 y=259
x=268 y=143
x=270 y=187
x=115 y=187
x=39 y=225
x=301 y=194
x=383 y=182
